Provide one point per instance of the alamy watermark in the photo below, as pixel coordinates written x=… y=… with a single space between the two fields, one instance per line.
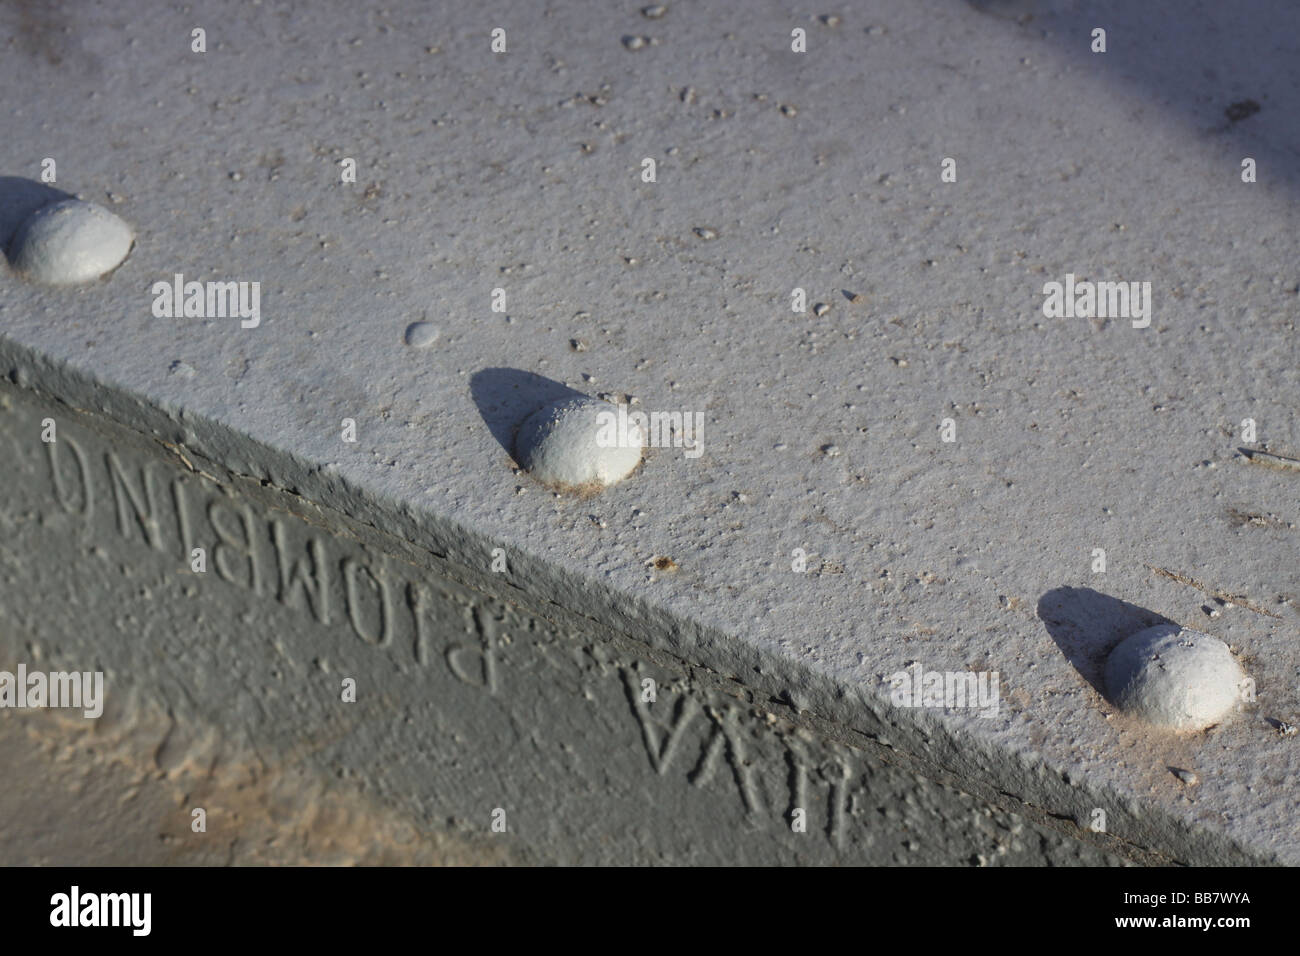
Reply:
x=208 y=300
x=625 y=429
x=1098 y=300
x=129 y=910
x=39 y=689
x=947 y=690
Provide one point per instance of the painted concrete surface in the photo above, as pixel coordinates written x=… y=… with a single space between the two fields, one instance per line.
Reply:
x=823 y=431
x=318 y=668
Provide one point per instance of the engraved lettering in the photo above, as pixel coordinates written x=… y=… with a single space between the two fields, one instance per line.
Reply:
x=377 y=632
x=302 y=580
x=184 y=526
x=417 y=597
x=69 y=499
x=143 y=505
x=232 y=545
x=797 y=768
x=661 y=753
x=460 y=657
x=725 y=740
x=838 y=775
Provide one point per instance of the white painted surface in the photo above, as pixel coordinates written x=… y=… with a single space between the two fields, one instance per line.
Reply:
x=1174 y=678
x=69 y=242
x=560 y=445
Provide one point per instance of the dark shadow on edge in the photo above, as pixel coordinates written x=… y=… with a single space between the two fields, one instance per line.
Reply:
x=507 y=396
x=19 y=198
x=1086 y=625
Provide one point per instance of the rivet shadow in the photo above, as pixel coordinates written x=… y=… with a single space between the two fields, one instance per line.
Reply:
x=507 y=396
x=1086 y=625
x=19 y=198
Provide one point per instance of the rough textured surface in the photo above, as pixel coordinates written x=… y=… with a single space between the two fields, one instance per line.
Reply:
x=118 y=791
x=521 y=171
x=468 y=702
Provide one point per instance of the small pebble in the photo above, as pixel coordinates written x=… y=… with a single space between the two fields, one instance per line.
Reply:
x=560 y=446
x=654 y=12
x=635 y=43
x=69 y=242
x=821 y=308
x=421 y=335
x=1186 y=776
x=1174 y=678
x=705 y=233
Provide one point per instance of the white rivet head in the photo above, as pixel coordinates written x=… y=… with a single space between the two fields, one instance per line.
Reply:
x=421 y=335
x=1174 y=678
x=576 y=444
x=69 y=242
